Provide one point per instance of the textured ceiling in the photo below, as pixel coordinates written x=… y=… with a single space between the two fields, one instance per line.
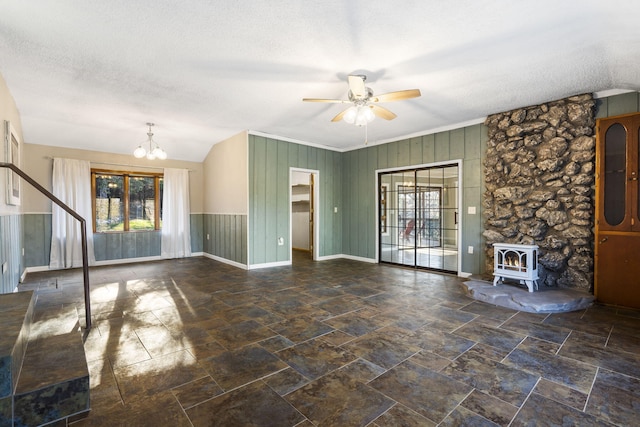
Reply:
x=90 y=74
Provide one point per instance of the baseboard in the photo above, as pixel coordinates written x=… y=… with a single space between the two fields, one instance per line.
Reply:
x=269 y=265
x=225 y=261
x=359 y=258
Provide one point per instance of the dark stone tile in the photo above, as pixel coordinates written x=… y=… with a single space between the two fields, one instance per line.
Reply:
x=609 y=358
x=51 y=402
x=237 y=367
x=197 y=391
x=541 y=411
x=462 y=416
x=385 y=347
x=491 y=377
x=554 y=334
x=615 y=398
x=205 y=351
x=562 y=394
x=143 y=379
x=401 y=416
x=240 y=334
x=286 y=381
x=337 y=338
x=499 y=338
x=340 y=305
x=253 y=405
x=575 y=320
x=363 y=370
x=158 y=409
x=337 y=399
x=441 y=343
x=624 y=342
x=430 y=360
x=315 y=358
x=426 y=392
x=276 y=343
x=536 y=345
x=158 y=340
x=489 y=407
x=555 y=368
x=301 y=328
x=489 y=310
x=353 y=324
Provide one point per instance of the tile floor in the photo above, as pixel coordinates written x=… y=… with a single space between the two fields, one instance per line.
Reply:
x=336 y=343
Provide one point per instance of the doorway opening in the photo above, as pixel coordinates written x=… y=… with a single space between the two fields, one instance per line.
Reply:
x=418 y=217
x=303 y=218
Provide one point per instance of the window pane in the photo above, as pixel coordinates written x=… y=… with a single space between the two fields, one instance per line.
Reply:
x=615 y=174
x=141 y=203
x=109 y=203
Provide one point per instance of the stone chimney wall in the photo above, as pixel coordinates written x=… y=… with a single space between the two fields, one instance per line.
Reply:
x=539 y=178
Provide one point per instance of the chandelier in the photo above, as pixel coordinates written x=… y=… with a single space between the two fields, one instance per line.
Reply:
x=154 y=152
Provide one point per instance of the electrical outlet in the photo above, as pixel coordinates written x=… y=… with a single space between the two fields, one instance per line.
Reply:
x=280 y=241
x=471 y=210
x=470 y=249
x=207 y=236
x=335 y=209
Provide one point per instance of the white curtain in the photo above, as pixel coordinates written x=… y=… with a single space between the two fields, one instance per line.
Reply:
x=72 y=185
x=176 y=229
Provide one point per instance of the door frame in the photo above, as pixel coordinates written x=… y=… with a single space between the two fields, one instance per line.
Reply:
x=453 y=162
x=315 y=207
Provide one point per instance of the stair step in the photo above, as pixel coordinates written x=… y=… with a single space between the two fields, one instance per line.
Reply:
x=54 y=381
x=16 y=314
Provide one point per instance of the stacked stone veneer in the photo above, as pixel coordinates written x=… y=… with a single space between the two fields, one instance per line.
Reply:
x=539 y=178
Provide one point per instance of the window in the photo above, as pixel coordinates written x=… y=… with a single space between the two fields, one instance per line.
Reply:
x=126 y=201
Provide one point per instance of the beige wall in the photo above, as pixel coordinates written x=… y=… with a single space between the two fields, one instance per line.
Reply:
x=225 y=177
x=8 y=112
x=38 y=163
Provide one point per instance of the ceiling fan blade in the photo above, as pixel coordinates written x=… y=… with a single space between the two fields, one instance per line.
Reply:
x=382 y=112
x=335 y=101
x=339 y=116
x=356 y=85
x=397 y=96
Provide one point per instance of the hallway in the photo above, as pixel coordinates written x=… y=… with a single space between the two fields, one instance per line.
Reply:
x=335 y=343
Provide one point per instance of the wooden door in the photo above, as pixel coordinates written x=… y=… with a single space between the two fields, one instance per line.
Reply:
x=617 y=246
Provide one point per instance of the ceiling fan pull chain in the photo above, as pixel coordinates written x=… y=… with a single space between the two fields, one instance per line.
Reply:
x=366 y=134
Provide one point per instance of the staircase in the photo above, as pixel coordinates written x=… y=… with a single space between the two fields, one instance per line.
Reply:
x=43 y=370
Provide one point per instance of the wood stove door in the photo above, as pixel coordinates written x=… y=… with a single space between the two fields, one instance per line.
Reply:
x=617 y=225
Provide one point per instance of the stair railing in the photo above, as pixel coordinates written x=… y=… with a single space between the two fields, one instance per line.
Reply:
x=83 y=231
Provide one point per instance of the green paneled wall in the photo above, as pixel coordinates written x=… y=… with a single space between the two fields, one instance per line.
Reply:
x=359 y=166
x=225 y=236
x=270 y=161
x=10 y=252
x=107 y=246
x=616 y=105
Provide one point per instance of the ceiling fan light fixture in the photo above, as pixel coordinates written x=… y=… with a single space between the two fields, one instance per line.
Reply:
x=350 y=115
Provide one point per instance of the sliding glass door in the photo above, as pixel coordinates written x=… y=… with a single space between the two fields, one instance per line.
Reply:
x=418 y=217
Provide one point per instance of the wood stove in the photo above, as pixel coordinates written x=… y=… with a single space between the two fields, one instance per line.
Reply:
x=518 y=262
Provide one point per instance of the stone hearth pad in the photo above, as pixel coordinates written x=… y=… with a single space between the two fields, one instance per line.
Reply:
x=546 y=300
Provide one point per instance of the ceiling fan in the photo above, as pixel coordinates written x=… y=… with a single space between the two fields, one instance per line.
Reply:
x=365 y=107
